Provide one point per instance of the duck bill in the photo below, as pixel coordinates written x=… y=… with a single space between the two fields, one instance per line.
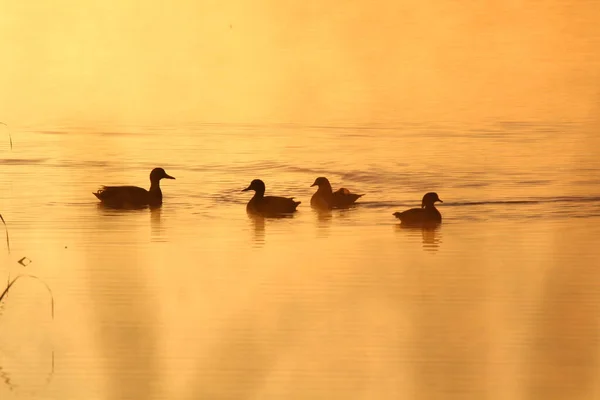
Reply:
x=440 y=200
x=245 y=190
x=314 y=184
x=169 y=176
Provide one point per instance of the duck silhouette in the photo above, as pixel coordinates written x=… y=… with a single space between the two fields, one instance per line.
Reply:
x=426 y=215
x=268 y=205
x=133 y=196
x=326 y=199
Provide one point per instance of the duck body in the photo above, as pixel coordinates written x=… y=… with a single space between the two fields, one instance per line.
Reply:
x=128 y=197
x=424 y=216
x=134 y=196
x=419 y=216
x=268 y=205
x=326 y=199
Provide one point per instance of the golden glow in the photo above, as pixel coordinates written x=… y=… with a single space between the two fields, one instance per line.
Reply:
x=265 y=61
x=196 y=300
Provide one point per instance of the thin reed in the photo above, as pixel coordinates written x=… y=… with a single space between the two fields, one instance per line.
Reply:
x=6 y=230
x=15 y=279
x=9 y=135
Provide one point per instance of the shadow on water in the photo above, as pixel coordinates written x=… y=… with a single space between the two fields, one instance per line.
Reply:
x=563 y=356
x=430 y=236
x=245 y=354
x=123 y=306
x=447 y=315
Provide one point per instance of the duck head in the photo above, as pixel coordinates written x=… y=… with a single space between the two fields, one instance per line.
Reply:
x=257 y=185
x=158 y=173
x=321 y=182
x=429 y=199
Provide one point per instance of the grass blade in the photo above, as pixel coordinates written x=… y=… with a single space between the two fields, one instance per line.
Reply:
x=5 y=292
x=10 y=283
x=9 y=135
x=6 y=229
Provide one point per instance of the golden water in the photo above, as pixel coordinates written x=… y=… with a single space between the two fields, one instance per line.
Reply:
x=493 y=105
x=197 y=300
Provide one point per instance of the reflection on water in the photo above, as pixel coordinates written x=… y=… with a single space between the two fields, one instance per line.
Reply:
x=261 y=226
x=431 y=237
x=198 y=298
x=258 y=228
x=155 y=223
x=323 y=216
x=324 y=220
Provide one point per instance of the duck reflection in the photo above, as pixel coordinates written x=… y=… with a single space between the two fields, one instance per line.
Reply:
x=324 y=218
x=259 y=222
x=258 y=227
x=157 y=230
x=430 y=235
x=432 y=238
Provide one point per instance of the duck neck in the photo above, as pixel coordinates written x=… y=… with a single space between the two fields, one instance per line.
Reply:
x=155 y=186
x=325 y=189
x=259 y=194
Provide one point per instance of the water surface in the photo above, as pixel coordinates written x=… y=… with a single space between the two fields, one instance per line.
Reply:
x=197 y=300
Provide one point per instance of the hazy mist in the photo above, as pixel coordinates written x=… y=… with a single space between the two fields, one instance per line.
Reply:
x=302 y=61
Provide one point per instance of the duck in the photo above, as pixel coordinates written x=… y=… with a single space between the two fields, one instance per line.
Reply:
x=268 y=205
x=133 y=196
x=426 y=215
x=325 y=198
